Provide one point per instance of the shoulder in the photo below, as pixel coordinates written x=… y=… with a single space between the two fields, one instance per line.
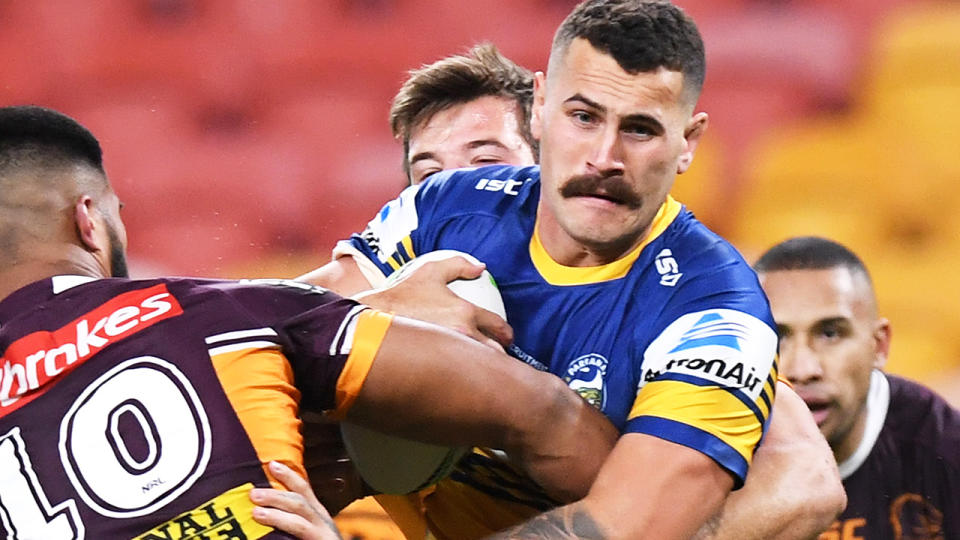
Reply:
x=713 y=272
x=922 y=417
x=480 y=189
x=248 y=298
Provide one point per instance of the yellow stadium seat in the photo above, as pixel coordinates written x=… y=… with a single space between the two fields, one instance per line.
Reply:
x=705 y=187
x=917 y=45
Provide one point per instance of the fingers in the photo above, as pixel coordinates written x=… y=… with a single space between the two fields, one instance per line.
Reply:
x=296 y=511
x=295 y=525
x=494 y=327
x=455 y=268
x=293 y=481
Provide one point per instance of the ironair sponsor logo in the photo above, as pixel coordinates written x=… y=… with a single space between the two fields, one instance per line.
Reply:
x=227 y=516
x=32 y=361
x=730 y=372
x=585 y=376
x=713 y=333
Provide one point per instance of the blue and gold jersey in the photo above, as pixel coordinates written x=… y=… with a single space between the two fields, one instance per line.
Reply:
x=674 y=340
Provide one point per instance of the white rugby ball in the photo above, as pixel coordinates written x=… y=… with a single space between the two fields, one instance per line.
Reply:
x=481 y=291
x=396 y=465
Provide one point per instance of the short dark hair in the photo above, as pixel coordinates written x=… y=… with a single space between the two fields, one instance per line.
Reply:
x=641 y=35
x=37 y=137
x=479 y=72
x=810 y=253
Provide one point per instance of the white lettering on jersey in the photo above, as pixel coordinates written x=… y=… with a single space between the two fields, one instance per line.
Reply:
x=668 y=268
x=730 y=348
x=507 y=186
x=395 y=222
x=18 y=378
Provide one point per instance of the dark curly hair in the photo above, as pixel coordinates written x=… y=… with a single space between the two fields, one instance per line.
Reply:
x=640 y=35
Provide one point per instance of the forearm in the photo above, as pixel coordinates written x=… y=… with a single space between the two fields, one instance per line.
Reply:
x=342 y=276
x=567 y=522
x=793 y=490
x=648 y=488
x=444 y=388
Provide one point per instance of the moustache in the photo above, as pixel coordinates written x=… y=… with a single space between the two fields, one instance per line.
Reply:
x=613 y=188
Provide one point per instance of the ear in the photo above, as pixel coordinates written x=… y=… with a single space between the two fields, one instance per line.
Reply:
x=87 y=225
x=695 y=129
x=536 y=111
x=881 y=342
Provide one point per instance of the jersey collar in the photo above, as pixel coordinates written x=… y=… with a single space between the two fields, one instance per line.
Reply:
x=557 y=274
x=878 y=402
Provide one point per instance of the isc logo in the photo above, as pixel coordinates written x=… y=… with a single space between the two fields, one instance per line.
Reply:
x=506 y=186
x=668 y=268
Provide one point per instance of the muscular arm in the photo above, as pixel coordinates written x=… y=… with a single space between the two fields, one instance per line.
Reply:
x=435 y=385
x=647 y=488
x=793 y=490
x=341 y=275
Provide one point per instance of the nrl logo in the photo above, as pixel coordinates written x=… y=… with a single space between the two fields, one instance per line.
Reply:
x=585 y=376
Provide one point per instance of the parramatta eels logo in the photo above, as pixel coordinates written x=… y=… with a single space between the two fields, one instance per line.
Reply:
x=585 y=376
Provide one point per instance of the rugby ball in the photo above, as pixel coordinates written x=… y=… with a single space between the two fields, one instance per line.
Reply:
x=395 y=465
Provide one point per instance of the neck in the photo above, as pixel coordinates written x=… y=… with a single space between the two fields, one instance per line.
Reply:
x=845 y=448
x=569 y=251
x=74 y=261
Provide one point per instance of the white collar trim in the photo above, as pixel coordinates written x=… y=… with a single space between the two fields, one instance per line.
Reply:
x=62 y=283
x=878 y=402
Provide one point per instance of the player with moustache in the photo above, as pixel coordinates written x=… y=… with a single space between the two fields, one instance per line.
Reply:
x=157 y=408
x=896 y=441
x=436 y=135
x=688 y=375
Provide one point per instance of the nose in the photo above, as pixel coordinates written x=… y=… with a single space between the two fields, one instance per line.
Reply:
x=799 y=363
x=607 y=156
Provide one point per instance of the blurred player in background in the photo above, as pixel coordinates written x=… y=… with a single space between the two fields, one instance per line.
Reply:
x=151 y=408
x=615 y=121
x=465 y=110
x=897 y=443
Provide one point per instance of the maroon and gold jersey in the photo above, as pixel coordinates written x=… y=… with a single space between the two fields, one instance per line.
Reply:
x=147 y=409
x=903 y=481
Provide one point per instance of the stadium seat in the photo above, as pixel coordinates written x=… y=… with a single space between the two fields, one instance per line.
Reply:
x=918 y=45
x=817 y=178
x=705 y=188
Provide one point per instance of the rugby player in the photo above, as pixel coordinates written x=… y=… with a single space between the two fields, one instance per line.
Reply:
x=609 y=283
x=152 y=408
x=897 y=442
x=465 y=110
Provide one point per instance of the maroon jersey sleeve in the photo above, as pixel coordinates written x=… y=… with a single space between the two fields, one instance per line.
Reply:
x=128 y=408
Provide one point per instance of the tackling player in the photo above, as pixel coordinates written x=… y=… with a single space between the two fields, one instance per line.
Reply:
x=465 y=110
x=608 y=283
x=150 y=408
x=897 y=443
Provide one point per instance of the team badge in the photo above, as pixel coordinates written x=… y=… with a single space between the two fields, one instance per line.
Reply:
x=585 y=376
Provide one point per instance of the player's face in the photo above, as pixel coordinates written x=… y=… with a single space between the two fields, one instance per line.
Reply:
x=612 y=143
x=830 y=341
x=485 y=131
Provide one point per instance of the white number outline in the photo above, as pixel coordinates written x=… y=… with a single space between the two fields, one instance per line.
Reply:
x=185 y=484
x=49 y=511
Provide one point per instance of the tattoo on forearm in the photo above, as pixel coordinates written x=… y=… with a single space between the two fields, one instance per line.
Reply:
x=709 y=529
x=563 y=523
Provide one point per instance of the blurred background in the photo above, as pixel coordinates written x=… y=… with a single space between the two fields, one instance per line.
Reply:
x=247 y=136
